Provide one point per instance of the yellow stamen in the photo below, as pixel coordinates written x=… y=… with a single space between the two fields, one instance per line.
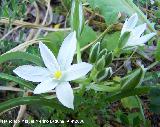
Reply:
x=57 y=74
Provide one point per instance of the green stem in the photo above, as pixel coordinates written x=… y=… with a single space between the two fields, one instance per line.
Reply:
x=98 y=38
x=78 y=53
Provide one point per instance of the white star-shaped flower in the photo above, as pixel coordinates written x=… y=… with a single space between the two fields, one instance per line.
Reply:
x=136 y=38
x=152 y=1
x=58 y=72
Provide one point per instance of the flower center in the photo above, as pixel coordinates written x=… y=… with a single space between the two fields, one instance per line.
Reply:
x=57 y=74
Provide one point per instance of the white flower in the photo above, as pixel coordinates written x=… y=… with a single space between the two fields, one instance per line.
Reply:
x=136 y=38
x=152 y=1
x=58 y=72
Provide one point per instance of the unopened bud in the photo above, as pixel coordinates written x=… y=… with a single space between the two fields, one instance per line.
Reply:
x=104 y=74
x=94 y=52
x=100 y=63
x=109 y=58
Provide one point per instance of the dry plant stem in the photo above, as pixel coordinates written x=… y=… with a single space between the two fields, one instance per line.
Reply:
x=31 y=25
x=12 y=30
x=122 y=59
x=65 y=23
x=21 y=112
x=9 y=88
x=62 y=2
x=50 y=14
x=33 y=31
x=99 y=37
x=152 y=65
x=22 y=46
x=90 y=11
x=45 y=18
x=1 y=113
x=9 y=32
x=126 y=61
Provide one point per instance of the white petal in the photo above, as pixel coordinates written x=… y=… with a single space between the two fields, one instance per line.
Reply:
x=32 y=73
x=129 y=23
x=139 y=41
x=77 y=71
x=65 y=95
x=139 y=30
x=67 y=51
x=45 y=86
x=48 y=58
x=145 y=38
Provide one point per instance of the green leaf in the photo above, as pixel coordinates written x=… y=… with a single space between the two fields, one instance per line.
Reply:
x=157 y=14
x=110 y=41
x=54 y=41
x=21 y=55
x=104 y=87
x=157 y=52
x=27 y=101
x=111 y=8
x=132 y=80
x=67 y=3
x=17 y=80
x=87 y=36
x=155 y=100
x=130 y=102
x=123 y=40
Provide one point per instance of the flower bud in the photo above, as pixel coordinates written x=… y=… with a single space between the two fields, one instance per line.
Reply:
x=104 y=74
x=109 y=58
x=94 y=52
x=103 y=52
x=100 y=63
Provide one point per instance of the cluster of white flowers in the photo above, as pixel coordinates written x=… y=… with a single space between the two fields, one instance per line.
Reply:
x=136 y=38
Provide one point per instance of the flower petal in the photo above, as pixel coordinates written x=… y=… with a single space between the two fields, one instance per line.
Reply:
x=67 y=51
x=32 y=73
x=139 y=41
x=65 y=95
x=76 y=71
x=129 y=23
x=145 y=38
x=45 y=86
x=139 y=30
x=48 y=58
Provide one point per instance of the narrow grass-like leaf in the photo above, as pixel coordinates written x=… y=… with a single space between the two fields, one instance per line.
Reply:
x=21 y=55
x=27 y=101
x=17 y=80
